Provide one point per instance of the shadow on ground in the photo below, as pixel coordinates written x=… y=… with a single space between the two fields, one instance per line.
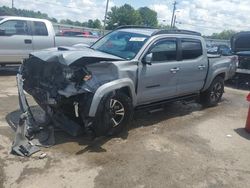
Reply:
x=243 y=133
x=244 y=85
x=142 y=118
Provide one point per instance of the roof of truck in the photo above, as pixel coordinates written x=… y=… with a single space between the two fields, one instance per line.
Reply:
x=150 y=31
x=22 y=18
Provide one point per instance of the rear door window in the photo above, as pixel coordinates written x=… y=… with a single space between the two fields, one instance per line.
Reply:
x=191 y=49
x=40 y=29
x=15 y=27
x=164 y=50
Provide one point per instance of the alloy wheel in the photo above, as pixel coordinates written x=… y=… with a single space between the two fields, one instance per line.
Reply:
x=117 y=112
x=216 y=92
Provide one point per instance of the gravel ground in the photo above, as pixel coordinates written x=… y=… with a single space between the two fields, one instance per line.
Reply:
x=180 y=146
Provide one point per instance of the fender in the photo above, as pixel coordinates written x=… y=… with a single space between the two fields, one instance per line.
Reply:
x=209 y=80
x=109 y=87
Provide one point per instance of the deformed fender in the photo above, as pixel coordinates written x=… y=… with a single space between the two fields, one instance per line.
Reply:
x=213 y=75
x=109 y=87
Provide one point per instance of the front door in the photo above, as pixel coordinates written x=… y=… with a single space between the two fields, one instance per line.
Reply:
x=158 y=80
x=15 y=40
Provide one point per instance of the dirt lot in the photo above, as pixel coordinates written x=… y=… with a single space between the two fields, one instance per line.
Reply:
x=181 y=146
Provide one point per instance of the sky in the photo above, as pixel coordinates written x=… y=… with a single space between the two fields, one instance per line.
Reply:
x=205 y=16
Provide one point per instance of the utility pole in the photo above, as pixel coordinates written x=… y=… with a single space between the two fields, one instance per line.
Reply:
x=174 y=21
x=105 y=17
x=173 y=14
x=12 y=3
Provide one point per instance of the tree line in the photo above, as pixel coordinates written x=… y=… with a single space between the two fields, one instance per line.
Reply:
x=117 y=16
x=127 y=15
x=6 y=11
x=224 y=35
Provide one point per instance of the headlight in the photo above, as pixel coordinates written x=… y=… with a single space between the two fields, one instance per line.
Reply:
x=87 y=77
x=76 y=74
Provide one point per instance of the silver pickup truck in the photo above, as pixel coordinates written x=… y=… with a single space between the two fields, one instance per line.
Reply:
x=97 y=88
x=19 y=36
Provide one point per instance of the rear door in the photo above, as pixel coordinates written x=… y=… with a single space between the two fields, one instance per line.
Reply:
x=15 y=40
x=193 y=67
x=42 y=38
x=158 y=81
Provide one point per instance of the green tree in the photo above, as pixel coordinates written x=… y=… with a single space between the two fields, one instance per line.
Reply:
x=90 y=23
x=77 y=23
x=148 y=17
x=124 y=15
x=97 y=24
x=225 y=35
x=6 y=11
x=53 y=20
x=162 y=26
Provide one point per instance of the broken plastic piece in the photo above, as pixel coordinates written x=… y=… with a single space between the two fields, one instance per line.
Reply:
x=21 y=145
x=42 y=156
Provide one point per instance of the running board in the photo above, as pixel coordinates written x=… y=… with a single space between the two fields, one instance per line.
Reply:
x=183 y=98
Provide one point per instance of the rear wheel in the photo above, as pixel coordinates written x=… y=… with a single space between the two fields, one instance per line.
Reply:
x=213 y=94
x=113 y=115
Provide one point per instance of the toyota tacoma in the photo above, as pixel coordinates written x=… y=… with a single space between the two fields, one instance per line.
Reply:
x=96 y=89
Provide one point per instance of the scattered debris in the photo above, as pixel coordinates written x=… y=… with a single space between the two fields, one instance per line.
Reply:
x=42 y=156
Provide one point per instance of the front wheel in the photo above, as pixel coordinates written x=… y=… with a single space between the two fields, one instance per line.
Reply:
x=213 y=94
x=113 y=114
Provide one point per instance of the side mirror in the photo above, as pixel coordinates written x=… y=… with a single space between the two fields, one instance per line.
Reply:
x=147 y=60
x=2 y=32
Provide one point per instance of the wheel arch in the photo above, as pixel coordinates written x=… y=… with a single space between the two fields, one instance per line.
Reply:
x=218 y=73
x=125 y=85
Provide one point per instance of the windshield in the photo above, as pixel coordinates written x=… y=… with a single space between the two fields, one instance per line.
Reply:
x=121 y=43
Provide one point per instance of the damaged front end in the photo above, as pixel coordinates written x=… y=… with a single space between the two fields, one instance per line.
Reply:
x=64 y=88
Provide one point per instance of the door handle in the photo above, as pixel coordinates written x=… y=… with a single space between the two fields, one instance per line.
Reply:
x=175 y=70
x=27 y=41
x=201 y=67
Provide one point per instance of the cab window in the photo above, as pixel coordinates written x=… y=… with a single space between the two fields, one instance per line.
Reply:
x=40 y=29
x=15 y=27
x=191 y=49
x=165 y=50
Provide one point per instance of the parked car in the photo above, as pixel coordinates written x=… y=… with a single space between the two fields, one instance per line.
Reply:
x=70 y=33
x=20 y=36
x=220 y=49
x=97 y=88
x=240 y=43
x=77 y=33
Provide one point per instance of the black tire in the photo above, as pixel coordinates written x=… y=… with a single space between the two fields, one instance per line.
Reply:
x=212 y=96
x=107 y=121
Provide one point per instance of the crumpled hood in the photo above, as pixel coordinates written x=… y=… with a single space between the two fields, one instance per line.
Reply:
x=70 y=55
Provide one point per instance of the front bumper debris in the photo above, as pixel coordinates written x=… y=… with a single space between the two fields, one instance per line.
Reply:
x=28 y=129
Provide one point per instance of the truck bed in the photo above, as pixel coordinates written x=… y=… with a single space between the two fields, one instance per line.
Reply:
x=229 y=61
